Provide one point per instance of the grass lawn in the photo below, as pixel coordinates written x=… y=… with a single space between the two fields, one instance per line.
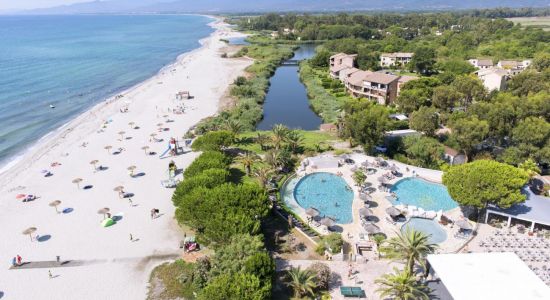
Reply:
x=537 y=22
x=311 y=139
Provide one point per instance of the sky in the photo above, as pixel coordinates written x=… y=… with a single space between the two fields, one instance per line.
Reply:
x=27 y=4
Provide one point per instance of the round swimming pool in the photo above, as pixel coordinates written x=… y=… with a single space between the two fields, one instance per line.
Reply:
x=328 y=193
x=436 y=234
x=424 y=194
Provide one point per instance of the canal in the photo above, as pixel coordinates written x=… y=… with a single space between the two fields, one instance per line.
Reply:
x=286 y=101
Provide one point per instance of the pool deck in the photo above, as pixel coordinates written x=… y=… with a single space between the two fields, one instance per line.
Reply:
x=350 y=232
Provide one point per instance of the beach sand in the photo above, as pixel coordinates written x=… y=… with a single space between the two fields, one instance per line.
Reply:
x=105 y=263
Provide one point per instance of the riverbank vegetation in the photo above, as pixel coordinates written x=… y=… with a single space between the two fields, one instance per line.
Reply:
x=448 y=104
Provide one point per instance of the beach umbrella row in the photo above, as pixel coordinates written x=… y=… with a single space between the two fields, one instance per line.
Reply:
x=312 y=212
x=365 y=212
x=463 y=224
x=393 y=211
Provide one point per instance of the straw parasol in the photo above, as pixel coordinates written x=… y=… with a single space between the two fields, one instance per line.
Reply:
x=371 y=228
x=108 y=148
x=312 y=212
x=20 y=196
x=77 y=181
x=103 y=211
x=382 y=179
x=364 y=197
x=93 y=163
x=327 y=222
x=463 y=224
x=29 y=231
x=145 y=148
x=121 y=134
x=54 y=204
x=394 y=168
x=365 y=212
x=118 y=188
x=393 y=211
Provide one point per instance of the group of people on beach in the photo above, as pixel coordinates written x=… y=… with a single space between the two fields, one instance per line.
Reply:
x=17 y=261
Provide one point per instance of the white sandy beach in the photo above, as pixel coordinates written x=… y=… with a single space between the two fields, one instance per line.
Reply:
x=113 y=266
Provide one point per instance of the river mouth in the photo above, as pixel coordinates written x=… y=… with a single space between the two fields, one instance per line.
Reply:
x=286 y=101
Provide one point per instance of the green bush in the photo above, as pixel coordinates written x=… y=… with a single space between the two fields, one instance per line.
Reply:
x=213 y=141
x=209 y=178
x=207 y=160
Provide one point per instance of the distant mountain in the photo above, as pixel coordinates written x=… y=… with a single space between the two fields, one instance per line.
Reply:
x=231 y=6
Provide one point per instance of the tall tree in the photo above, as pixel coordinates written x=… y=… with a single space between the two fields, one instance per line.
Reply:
x=368 y=126
x=423 y=60
x=424 y=151
x=410 y=246
x=425 y=120
x=469 y=132
x=470 y=87
x=485 y=181
x=401 y=286
x=301 y=281
x=446 y=97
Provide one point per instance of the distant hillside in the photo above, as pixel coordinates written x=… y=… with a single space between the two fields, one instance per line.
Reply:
x=231 y=6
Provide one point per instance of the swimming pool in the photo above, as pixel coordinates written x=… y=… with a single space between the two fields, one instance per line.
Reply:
x=328 y=193
x=436 y=234
x=424 y=194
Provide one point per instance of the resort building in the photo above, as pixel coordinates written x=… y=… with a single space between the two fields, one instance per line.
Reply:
x=379 y=87
x=481 y=63
x=339 y=62
x=397 y=59
x=453 y=157
x=514 y=66
x=493 y=78
x=487 y=276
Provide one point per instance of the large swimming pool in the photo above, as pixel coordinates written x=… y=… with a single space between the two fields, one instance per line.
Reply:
x=328 y=193
x=424 y=194
x=436 y=234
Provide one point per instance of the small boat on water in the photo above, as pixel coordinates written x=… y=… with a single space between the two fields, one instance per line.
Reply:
x=52 y=106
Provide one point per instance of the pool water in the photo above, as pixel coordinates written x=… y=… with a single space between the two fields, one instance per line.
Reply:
x=436 y=234
x=328 y=193
x=424 y=194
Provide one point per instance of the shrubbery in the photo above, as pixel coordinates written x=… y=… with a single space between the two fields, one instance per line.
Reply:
x=207 y=160
x=213 y=141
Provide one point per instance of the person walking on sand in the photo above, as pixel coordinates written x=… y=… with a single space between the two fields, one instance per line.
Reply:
x=50 y=274
x=152 y=213
x=131 y=238
x=14 y=262
x=19 y=260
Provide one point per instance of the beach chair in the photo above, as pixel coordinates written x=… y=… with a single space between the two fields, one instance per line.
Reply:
x=352 y=292
x=169 y=183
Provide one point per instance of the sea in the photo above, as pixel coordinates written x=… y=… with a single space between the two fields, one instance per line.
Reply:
x=73 y=62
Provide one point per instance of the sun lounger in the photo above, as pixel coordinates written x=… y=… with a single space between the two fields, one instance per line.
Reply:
x=170 y=183
x=352 y=291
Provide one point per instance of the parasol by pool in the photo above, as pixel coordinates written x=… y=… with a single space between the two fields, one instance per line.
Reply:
x=327 y=222
x=365 y=212
x=371 y=228
x=312 y=212
x=393 y=211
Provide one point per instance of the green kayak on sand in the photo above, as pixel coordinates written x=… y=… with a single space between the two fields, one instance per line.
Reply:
x=107 y=222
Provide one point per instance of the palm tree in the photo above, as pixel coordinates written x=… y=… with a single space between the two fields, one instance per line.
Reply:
x=412 y=246
x=401 y=286
x=301 y=281
x=262 y=139
x=378 y=239
x=247 y=159
x=294 y=139
x=233 y=126
x=280 y=133
x=263 y=173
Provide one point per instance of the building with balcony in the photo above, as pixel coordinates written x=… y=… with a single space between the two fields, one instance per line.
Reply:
x=378 y=87
x=397 y=59
x=339 y=62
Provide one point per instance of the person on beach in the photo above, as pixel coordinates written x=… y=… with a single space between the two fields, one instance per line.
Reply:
x=131 y=238
x=19 y=260
x=50 y=274
x=14 y=262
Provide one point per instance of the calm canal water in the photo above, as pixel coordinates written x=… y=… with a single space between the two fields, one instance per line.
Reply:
x=286 y=101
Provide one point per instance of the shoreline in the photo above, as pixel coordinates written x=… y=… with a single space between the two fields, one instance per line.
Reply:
x=13 y=163
x=109 y=264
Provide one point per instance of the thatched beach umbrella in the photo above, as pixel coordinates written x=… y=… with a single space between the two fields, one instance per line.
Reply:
x=159 y=125
x=378 y=159
x=29 y=231
x=312 y=212
x=94 y=163
x=145 y=148
x=364 y=197
x=394 y=168
x=382 y=179
x=108 y=148
x=103 y=211
x=393 y=211
x=121 y=134
x=77 y=181
x=54 y=204
x=463 y=224
x=118 y=188
x=365 y=212
x=371 y=228
x=327 y=222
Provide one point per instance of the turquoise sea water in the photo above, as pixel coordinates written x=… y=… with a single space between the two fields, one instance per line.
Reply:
x=424 y=194
x=328 y=193
x=73 y=62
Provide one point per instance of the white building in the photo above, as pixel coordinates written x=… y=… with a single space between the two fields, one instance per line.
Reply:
x=397 y=59
x=493 y=78
x=481 y=63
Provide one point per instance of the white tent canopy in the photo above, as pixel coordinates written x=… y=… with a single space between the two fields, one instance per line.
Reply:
x=488 y=276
